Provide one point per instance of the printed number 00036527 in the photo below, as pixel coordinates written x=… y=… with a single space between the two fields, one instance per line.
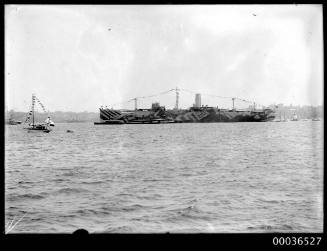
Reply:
x=299 y=241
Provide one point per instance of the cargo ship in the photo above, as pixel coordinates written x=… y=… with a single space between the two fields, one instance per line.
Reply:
x=197 y=114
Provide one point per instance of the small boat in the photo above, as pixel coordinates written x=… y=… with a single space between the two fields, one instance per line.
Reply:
x=315 y=119
x=294 y=118
x=36 y=126
x=13 y=122
x=39 y=127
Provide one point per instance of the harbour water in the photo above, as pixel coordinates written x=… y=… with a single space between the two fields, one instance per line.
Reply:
x=211 y=177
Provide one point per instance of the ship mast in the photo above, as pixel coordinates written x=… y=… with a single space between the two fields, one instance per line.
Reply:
x=177 y=98
x=33 y=100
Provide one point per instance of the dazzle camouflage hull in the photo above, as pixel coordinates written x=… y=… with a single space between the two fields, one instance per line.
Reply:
x=192 y=115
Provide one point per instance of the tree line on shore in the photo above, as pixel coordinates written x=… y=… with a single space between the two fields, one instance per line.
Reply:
x=302 y=112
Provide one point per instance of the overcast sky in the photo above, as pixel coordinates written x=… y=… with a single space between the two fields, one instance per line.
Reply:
x=77 y=58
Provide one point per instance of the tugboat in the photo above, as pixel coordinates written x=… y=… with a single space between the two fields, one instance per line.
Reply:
x=36 y=126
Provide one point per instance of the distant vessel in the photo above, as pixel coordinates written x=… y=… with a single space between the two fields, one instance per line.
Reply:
x=33 y=125
x=12 y=121
x=196 y=114
x=295 y=118
x=315 y=119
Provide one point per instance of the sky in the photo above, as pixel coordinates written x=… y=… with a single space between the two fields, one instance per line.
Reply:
x=78 y=58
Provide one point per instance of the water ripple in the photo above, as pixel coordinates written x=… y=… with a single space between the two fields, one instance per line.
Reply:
x=211 y=177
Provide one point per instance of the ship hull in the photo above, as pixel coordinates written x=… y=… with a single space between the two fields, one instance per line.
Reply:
x=38 y=127
x=200 y=115
x=219 y=115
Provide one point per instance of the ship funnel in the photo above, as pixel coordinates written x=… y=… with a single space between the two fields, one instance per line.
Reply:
x=198 y=100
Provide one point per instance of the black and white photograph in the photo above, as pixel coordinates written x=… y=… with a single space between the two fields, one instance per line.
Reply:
x=163 y=118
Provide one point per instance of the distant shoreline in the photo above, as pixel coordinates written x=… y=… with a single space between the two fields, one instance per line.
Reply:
x=303 y=112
